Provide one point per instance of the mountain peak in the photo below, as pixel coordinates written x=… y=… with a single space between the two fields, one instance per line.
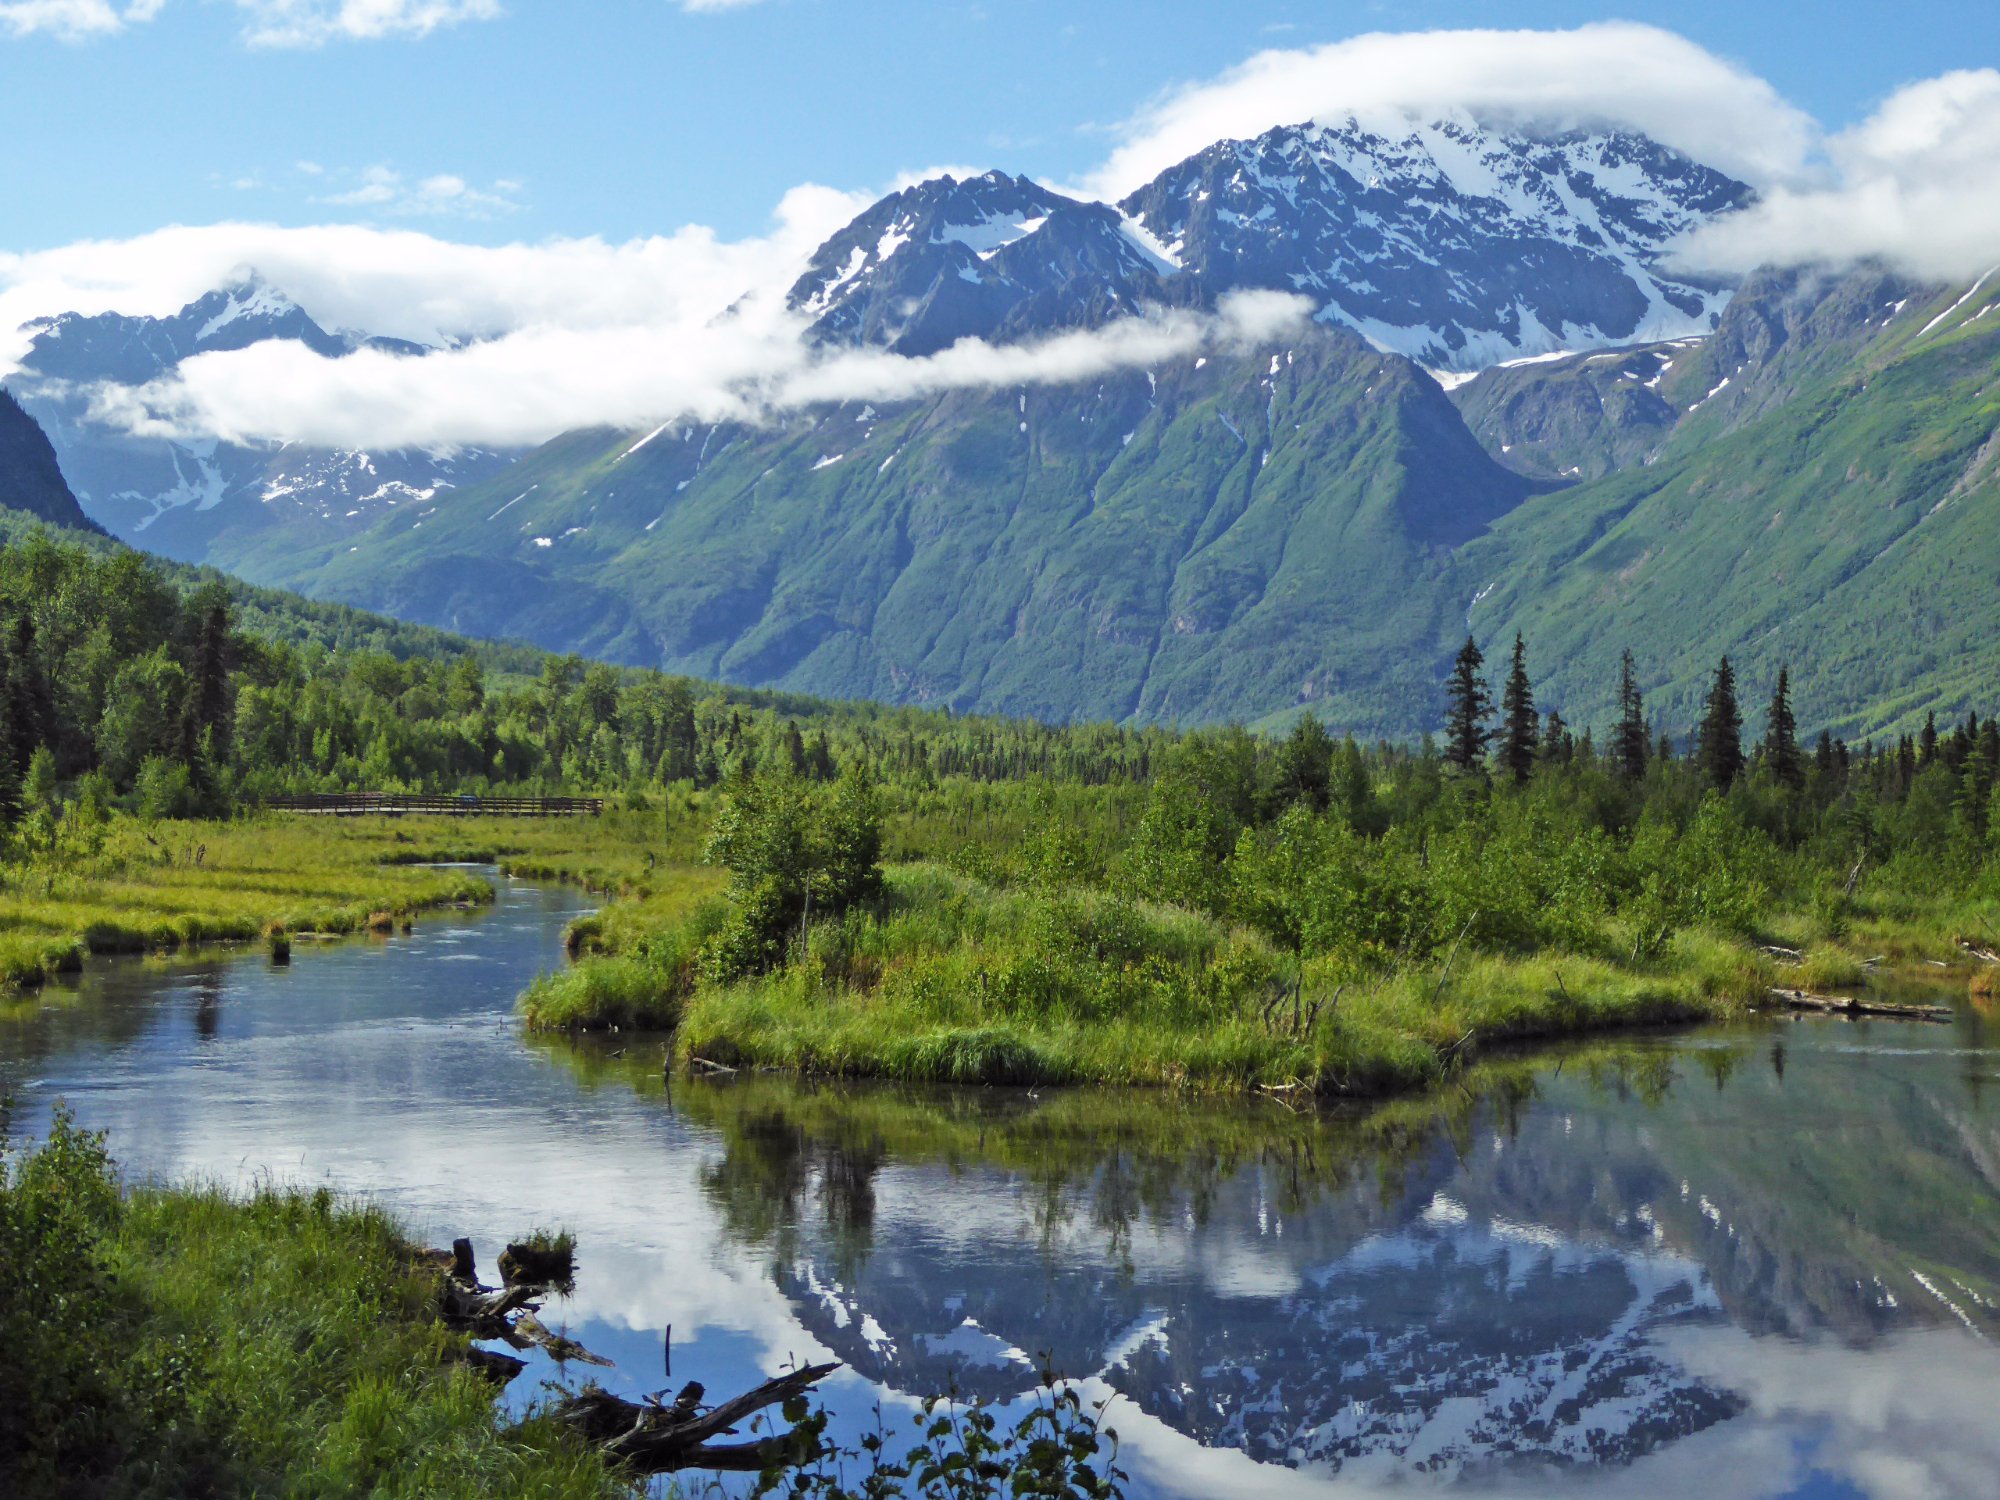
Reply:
x=246 y=298
x=1457 y=242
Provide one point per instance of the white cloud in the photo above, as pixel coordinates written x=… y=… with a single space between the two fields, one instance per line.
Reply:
x=312 y=23
x=1661 y=83
x=529 y=385
x=415 y=286
x=700 y=6
x=267 y=23
x=442 y=195
x=73 y=20
x=1917 y=184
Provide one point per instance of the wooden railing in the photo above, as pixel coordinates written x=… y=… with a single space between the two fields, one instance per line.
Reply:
x=397 y=804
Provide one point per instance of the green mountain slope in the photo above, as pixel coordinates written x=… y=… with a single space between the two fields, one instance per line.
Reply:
x=1836 y=507
x=1314 y=524
x=1219 y=537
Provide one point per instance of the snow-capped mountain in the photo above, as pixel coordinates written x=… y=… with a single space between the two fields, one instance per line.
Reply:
x=988 y=257
x=199 y=499
x=1457 y=244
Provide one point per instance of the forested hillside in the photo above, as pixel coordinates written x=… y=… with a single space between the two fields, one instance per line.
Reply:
x=182 y=693
x=1828 y=498
x=1219 y=537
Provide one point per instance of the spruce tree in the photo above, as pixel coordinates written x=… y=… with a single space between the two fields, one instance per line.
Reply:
x=1520 y=733
x=1720 y=738
x=1928 y=743
x=1781 y=735
x=208 y=713
x=1304 y=768
x=1629 y=742
x=1556 y=742
x=1469 y=706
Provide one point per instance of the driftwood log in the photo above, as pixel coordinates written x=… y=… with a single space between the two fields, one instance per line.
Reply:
x=1980 y=951
x=1844 y=1005
x=648 y=1437
x=495 y=1366
x=654 y=1438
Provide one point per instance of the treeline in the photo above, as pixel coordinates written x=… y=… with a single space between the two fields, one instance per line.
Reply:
x=181 y=694
x=1520 y=834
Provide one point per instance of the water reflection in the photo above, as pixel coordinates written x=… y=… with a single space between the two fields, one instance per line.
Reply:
x=1766 y=1261
x=1543 y=1278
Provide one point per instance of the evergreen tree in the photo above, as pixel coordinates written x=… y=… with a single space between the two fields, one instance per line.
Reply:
x=1629 y=741
x=1469 y=706
x=1720 y=738
x=1781 y=735
x=1304 y=768
x=1557 y=745
x=1520 y=733
x=1927 y=744
x=208 y=712
x=30 y=711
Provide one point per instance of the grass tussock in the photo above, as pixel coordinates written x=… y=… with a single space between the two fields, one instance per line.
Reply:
x=160 y=886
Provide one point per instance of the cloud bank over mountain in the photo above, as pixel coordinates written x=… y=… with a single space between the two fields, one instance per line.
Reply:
x=1917 y=184
x=1639 y=76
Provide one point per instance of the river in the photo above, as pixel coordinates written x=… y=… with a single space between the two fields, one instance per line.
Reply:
x=1757 y=1261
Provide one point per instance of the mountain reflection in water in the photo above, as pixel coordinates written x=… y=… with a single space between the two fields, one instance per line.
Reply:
x=1576 y=1277
x=1749 y=1262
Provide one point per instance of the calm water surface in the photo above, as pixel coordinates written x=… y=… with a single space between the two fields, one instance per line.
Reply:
x=1755 y=1262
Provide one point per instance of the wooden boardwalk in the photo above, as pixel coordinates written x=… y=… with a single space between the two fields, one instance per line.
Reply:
x=397 y=804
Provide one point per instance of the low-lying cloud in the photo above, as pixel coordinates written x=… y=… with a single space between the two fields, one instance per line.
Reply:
x=750 y=365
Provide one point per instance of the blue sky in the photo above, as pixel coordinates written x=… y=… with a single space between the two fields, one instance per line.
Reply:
x=630 y=117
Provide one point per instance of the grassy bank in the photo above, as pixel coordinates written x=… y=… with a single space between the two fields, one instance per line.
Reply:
x=146 y=886
x=949 y=979
x=180 y=1341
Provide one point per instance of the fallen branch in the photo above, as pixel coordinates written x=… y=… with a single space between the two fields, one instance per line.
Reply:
x=1979 y=951
x=1844 y=1005
x=530 y=1328
x=656 y=1439
x=495 y=1366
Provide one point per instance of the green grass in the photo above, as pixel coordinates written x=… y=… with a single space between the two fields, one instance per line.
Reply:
x=164 y=886
x=168 y=885
x=182 y=1341
x=952 y=980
